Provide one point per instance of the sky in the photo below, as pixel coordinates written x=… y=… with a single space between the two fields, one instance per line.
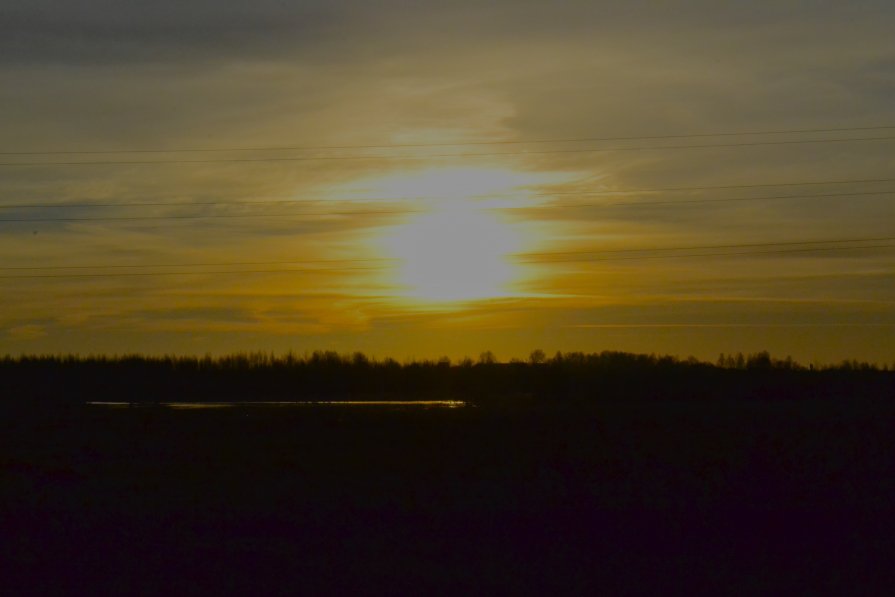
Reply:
x=418 y=179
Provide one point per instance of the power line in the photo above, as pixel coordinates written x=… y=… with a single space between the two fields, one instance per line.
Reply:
x=617 y=254
x=182 y=273
x=208 y=216
x=444 y=155
x=818 y=324
x=341 y=269
x=689 y=201
x=298 y=200
x=294 y=201
x=729 y=186
x=723 y=254
x=211 y=264
x=412 y=210
x=726 y=246
x=453 y=144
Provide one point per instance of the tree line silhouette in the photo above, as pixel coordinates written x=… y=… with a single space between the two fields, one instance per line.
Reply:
x=327 y=375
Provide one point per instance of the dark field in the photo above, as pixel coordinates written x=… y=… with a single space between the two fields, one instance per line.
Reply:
x=739 y=497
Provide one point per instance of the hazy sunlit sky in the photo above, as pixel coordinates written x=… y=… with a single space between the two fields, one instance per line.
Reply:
x=417 y=179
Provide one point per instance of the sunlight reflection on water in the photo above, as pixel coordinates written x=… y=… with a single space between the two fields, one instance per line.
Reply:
x=297 y=403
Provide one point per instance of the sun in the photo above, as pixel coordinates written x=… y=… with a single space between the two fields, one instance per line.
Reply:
x=455 y=253
x=458 y=241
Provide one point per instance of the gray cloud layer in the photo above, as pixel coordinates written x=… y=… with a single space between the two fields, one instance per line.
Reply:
x=127 y=30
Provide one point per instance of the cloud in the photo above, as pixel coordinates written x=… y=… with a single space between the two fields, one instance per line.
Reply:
x=27 y=332
x=104 y=32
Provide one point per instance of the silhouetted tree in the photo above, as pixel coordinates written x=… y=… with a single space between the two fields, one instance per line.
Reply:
x=487 y=358
x=537 y=357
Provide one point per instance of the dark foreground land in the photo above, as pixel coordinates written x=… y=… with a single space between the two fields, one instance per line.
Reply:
x=510 y=496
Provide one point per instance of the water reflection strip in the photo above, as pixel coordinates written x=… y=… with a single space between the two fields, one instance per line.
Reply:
x=200 y=405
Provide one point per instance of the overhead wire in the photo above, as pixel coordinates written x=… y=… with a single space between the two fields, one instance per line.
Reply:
x=304 y=203
x=724 y=246
x=445 y=155
x=297 y=200
x=596 y=255
x=723 y=254
x=207 y=264
x=449 y=144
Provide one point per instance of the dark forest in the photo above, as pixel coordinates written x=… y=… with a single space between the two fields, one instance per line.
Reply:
x=564 y=377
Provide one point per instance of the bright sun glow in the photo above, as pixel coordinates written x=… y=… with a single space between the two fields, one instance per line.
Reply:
x=456 y=244
x=455 y=253
x=460 y=248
